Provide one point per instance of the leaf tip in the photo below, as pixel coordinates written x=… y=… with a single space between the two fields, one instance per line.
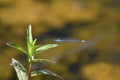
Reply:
x=7 y=43
x=56 y=45
x=29 y=26
x=13 y=61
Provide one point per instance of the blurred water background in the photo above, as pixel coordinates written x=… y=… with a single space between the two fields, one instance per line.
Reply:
x=96 y=21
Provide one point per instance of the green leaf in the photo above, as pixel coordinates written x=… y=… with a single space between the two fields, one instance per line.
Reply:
x=20 y=70
x=29 y=40
x=16 y=46
x=43 y=60
x=45 y=71
x=29 y=34
x=34 y=41
x=45 y=47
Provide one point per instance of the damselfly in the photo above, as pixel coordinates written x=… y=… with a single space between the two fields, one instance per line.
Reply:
x=68 y=40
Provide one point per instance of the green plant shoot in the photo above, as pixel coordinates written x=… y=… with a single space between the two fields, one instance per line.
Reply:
x=31 y=51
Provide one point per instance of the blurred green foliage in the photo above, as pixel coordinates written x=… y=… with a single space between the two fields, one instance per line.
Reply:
x=97 y=21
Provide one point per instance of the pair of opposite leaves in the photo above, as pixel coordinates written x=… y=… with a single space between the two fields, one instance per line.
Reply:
x=32 y=51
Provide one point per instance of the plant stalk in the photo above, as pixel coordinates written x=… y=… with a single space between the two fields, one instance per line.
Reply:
x=29 y=71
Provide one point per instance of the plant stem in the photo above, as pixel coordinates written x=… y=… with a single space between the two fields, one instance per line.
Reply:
x=29 y=71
